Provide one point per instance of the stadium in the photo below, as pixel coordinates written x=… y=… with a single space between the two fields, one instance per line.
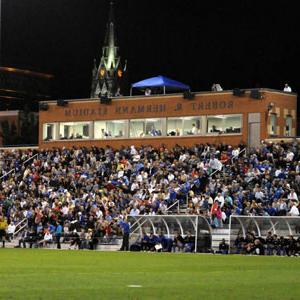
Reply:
x=164 y=193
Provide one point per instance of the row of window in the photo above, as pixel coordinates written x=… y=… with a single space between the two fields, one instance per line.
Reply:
x=287 y=128
x=136 y=128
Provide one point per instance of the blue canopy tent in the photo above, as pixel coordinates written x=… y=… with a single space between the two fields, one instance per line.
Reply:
x=160 y=82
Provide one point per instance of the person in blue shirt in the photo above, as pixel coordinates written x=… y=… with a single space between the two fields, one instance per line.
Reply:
x=153 y=240
x=126 y=230
x=58 y=234
x=145 y=242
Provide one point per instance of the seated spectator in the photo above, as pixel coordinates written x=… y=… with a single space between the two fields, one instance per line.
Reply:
x=178 y=242
x=48 y=239
x=223 y=247
x=282 y=245
x=27 y=237
x=294 y=212
x=269 y=243
x=258 y=247
x=145 y=242
x=75 y=240
x=153 y=242
x=189 y=242
x=291 y=246
x=166 y=243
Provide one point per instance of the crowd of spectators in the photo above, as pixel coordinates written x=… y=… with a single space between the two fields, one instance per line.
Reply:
x=90 y=190
x=270 y=245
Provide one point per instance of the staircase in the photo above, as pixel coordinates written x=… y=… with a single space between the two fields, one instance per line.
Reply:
x=217 y=235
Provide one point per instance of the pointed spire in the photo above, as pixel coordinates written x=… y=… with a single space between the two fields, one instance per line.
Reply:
x=110 y=39
x=111 y=17
x=110 y=62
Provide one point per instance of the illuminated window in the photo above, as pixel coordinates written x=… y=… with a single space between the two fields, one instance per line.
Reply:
x=225 y=124
x=74 y=130
x=116 y=129
x=49 y=132
x=174 y=126
x=137 y=128
x=153 y=127
x=146 y=127
x=100 y=131
x=191 y=125
x=273 y=124
x=288 y=125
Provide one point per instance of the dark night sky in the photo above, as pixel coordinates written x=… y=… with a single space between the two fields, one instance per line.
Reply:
x=236 y=43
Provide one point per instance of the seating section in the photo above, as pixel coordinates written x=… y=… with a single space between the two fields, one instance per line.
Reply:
x=87 y=191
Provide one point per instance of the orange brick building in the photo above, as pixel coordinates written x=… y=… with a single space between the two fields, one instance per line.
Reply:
x=210 y=117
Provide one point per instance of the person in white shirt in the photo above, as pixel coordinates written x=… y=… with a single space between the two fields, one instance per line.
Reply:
x=11 y=230
x=287 y=88
x=221 y=199
x=294 y=212
x=147 y=92
x=48 y=238
x=134 y=212
x=293 y=195
x=235 y=152
x=218 y=87
x=290 y=156
x=194 y=129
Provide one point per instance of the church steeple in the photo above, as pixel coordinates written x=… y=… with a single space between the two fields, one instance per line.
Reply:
x=106 y=78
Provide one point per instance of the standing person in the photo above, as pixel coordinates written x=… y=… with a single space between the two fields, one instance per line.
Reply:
x=3 y=228
x=215 y=214
x=194 y=129
x=10 y=231
x=126 y=230
x=287 y=88
x=58 y=234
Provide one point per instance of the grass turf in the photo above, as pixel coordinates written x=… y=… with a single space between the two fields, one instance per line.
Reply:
x=51 y=274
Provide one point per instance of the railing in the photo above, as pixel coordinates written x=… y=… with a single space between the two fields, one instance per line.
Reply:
x=175 y=203
x=12 y=170
x=19 y=147
x=20 y=226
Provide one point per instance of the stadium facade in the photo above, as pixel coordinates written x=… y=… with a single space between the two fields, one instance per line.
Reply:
x=230 y=117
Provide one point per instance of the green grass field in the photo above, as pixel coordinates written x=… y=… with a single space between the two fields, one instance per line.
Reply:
x=51 y=274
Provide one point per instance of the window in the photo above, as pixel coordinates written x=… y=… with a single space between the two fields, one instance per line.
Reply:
x=273 y=121
x=153 y=127
x=74 y=130
x=191 y=125
x=174 y=126
x=224 y=124
x=137 y=128
x=288 y=125
x=48 y=132
x=116 y=129
x=146 y=127
x=100 y=130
